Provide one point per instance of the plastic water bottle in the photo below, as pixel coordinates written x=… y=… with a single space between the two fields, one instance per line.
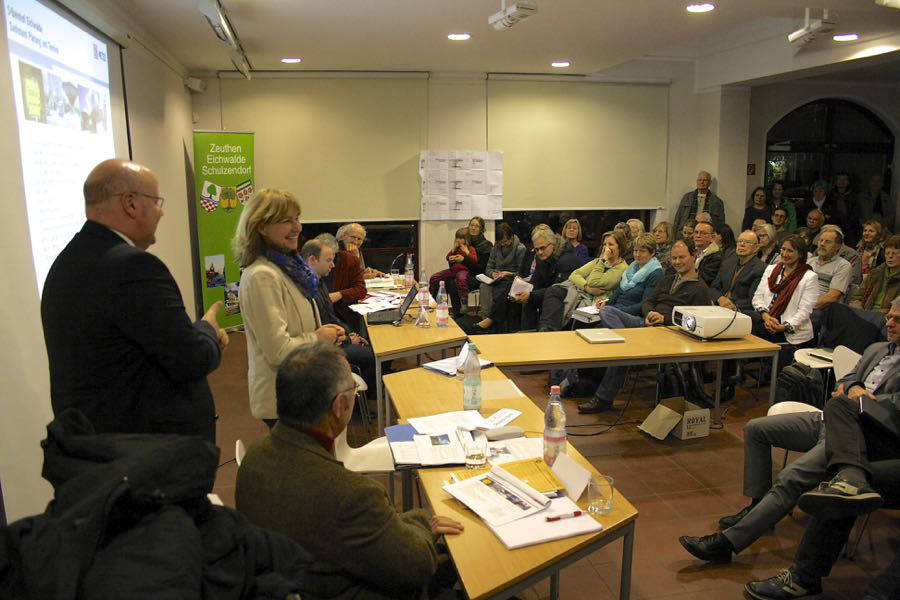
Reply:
x=472 y=380
x=554 y=427
x=442 y=312
x=422 y=319
x=409 y=273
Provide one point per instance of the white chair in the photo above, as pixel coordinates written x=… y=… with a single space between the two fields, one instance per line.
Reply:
x=362 y=400
x=845 y=361
x=239 y=452
x=784 y=408
x=374 y=457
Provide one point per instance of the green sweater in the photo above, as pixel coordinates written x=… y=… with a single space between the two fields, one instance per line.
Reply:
x=598 y=274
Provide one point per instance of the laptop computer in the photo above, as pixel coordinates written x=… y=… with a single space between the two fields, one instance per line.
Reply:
x=392 y=315
x=599 y=336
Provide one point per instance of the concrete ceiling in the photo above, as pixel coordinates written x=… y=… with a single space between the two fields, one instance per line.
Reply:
x=410 y=35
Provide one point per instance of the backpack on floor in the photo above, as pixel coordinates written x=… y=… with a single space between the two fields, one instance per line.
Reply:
x=799 y=383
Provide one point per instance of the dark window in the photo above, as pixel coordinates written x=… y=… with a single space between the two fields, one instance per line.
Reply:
x=826 y=137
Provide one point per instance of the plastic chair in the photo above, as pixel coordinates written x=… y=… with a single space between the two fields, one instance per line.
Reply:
x=374 y=457
x=362 y=399
x=239 y=452
x=845 y=360
x=785 y=408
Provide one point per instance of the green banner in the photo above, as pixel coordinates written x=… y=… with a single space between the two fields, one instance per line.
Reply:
x=223 y=176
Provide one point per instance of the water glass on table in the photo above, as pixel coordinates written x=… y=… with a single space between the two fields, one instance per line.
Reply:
x=396 y=277
x=600 y=494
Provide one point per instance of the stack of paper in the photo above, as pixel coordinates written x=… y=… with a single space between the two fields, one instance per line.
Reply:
x=453 y=365
x=519 y=285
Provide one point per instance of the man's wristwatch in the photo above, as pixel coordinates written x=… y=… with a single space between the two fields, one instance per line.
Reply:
x=788 y=328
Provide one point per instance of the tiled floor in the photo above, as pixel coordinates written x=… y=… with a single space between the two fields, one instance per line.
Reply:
x=679 y=487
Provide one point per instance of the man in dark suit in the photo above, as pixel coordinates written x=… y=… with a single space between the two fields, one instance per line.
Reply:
x=120 y=345
x=739 y=275
x=698 y=201
x=709 y=256
x=291 y=482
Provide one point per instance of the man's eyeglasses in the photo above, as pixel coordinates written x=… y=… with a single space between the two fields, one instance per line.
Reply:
x=541 y=248
x=158 y=200
x=892 y=318
x=354 y=389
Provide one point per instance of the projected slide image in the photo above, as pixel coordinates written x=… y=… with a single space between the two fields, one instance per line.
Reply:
x=61 y=102
x=32 y=79
x=215 y=270
x=93 y=110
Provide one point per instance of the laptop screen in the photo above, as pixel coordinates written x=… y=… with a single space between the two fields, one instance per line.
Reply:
x=407 y=302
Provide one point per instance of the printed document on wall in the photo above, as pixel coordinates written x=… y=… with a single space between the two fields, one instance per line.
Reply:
x=461 y=184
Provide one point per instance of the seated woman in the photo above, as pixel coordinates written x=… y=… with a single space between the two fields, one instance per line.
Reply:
x=483 y=247
x=502 y=265
x=351 y=237
x=278 y=290
x=687 y=230
x=636 y=226
x=768 y=252
x=757 y=208
x=625 y=230
x=637 y=282
x=595 y=280
x=870 y=247
x=664 y=236
x=882 y=284
x=461 y=260
x=784 y=300
x=724 y=239
x=571 y=235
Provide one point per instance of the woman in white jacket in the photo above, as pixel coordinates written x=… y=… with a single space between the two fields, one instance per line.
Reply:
x=784 y=300
x=276 y=293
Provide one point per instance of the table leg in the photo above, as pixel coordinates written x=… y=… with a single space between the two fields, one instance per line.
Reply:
x=379 y=396
x=717 y=410
x=627 y=547
x=407 y=483
x=554 y=586
x=773 y=379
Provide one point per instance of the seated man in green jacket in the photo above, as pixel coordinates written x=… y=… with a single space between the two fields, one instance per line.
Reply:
x=291 y=482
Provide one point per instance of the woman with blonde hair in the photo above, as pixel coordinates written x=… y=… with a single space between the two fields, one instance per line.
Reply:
x=625 y=230
x=871 y=245
x=571 y=233
x=769 y=251
x=277 y=293
x=664 y=236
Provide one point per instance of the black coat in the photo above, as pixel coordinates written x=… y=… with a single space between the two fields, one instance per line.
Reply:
x=130 y=519
x=709 y=267
x=744 y=286
x=121 y=347
x=689 y=293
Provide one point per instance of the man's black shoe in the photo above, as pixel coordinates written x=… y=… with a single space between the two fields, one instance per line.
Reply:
x=594 y=405
x=713 y=548
x=781 y=587
x=732 y=520
x=839 y=498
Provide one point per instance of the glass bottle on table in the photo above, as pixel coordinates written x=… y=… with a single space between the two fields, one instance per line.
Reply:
x=423 y=298
x=409 y=273
x=442 y=312
x=472 y=380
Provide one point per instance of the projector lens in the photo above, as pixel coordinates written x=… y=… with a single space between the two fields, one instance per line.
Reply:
x=690 y=323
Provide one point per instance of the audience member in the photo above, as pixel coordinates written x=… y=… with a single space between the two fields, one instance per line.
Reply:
x=757 y=208
x=568 y=255
x=853 y=448
x=483 y=248
x=291 y=482
x=704 y=217
x=625 y=230
x=595 y=280
x=352 y=236
x=347 y=281
x=320 y=258
x=821 y=202
x=798 y=432
x=687 y=230
x=807 y=236
x=664 y=236
x=461 y=259
x=698 y=201
x=636 y=226
x=844 y=204
x=708 y=257
x=779 y=223
x=871 y=246
x=739 y=276
x=571 y=234
x=784 y=300
x=876 y=203
x=882 y=284
x=833 y=272
x=769 y=250
x=681 y=287
x=815 y=219
x=850 y=255
x=778 y=200
x=121 y=348
x=278 y=291
x=502 y=266
x=638 y=281
x=724 y=239
x=544 y=274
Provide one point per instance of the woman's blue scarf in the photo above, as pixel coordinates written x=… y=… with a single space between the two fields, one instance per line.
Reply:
x=635 y=273
x=296 y=268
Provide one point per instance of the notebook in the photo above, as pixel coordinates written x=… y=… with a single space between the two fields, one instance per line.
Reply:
x=599 y=336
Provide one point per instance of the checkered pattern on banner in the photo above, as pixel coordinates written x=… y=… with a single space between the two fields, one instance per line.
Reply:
x=208 y=204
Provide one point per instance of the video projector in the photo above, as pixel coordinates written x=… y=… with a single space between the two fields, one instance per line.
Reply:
x=711 y=322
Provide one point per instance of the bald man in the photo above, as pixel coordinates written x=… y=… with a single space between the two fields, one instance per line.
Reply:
x=121 y=347
x=700 y=200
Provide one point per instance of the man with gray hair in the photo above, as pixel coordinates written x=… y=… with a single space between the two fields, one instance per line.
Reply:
x=699 y=201
x=352 y=236
x=120 y=345
x=291 y=482
x=545 y=244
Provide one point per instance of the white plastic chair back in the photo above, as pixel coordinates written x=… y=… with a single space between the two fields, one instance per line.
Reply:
x=374 y=457
x=784 y=408
x=845 y=361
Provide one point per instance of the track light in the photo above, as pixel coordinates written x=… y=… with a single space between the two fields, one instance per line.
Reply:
x=811 y=28
x=512 y=14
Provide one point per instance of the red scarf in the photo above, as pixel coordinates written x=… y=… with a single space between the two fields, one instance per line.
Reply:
x=785 y=289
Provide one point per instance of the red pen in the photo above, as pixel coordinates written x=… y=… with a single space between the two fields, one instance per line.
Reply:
x=570 y=515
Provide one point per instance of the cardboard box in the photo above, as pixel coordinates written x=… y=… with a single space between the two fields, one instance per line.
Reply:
x=678 y=416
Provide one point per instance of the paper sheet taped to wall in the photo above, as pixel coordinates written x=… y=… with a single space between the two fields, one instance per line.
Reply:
x=460 y=184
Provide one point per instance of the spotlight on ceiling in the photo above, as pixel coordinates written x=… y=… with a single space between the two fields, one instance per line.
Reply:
x=512 y=14
x=561 y=64
x=888 y=3
x=845 y=37
x=458 y=37
x=811 y=28
x=700 y=8
x=221 y=25
x=291 y=61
